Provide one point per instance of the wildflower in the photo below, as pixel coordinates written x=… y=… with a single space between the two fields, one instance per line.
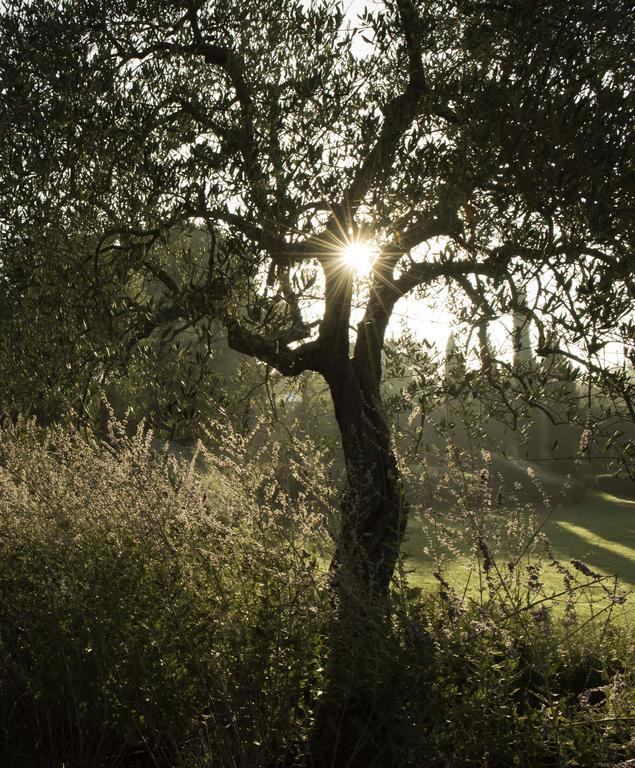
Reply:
x=541 y=616
x=619 y=599
x=583 y=568
x=533 y=581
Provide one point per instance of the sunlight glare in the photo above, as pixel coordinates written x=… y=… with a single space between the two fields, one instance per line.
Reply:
x=359 y=256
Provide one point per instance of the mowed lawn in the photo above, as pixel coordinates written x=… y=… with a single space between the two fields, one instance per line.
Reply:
x=599 y=531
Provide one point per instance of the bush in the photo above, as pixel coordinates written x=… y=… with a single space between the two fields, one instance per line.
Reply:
x=484 y=688
x=168 y=613
x=147 y=609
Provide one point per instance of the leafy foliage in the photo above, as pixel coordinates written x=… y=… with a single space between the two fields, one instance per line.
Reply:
x=154 y=613
x=145 y=609
x=500 y=128
x=165 y=165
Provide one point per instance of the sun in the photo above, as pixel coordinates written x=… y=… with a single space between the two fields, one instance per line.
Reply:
x=359 y=257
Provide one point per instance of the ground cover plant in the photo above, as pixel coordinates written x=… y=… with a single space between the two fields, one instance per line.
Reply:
x=143 y=611
x=175 y=614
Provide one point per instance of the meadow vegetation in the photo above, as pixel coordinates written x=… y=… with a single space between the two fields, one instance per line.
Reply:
x=587 y=545
x=177 y=613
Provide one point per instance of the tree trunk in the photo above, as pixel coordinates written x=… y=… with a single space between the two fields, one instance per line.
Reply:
x=357 y=714
x=374 y=510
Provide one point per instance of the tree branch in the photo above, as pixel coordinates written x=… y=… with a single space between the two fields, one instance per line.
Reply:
x=233 y=66
x=289 y=362
x=399 y=113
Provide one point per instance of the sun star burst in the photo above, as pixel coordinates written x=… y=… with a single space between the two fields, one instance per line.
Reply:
x=359 y=257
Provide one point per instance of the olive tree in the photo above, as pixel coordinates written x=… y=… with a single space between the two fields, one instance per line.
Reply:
x=481 y=148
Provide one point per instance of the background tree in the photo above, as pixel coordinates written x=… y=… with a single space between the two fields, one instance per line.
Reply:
x=482 y=147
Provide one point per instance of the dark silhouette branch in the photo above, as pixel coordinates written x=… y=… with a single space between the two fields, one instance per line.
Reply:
x=277 y=354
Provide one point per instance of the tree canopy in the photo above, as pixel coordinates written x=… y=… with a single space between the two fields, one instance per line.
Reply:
x=482 y=147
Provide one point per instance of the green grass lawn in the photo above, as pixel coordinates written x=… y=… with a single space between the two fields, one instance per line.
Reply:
x=599 y=531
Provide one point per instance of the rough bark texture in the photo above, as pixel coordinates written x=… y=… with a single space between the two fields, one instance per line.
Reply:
x=374 y=511
x=351 y=721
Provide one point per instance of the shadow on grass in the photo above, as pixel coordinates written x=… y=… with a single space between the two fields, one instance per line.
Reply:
x=574 y=541
x=598 y=530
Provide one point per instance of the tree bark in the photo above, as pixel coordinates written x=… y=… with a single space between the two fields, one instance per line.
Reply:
x=374 y=509
x=354 y=719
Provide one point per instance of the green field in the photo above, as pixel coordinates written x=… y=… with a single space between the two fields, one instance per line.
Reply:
x=599 y=531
